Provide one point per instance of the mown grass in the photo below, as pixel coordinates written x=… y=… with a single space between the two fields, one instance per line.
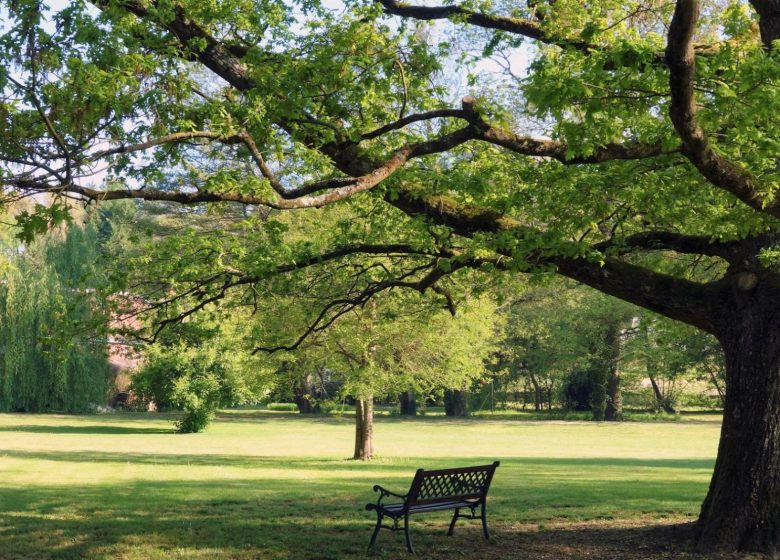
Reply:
x=279 y=486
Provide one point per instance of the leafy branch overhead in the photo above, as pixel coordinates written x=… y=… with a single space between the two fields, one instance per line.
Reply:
x=326 y=131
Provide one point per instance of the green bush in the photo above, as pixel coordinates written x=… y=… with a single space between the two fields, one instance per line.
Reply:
x=194 y=380
x=282 y=407
x=198 y=395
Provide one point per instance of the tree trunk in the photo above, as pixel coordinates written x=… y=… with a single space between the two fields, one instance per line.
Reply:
x=769 y=20
x=408 y=403
x=456 y=402
x=742 y=508
x=302 y=394
x=614 y=409
x=364 y=429
x=718 y=387
x=549 y=398
x=537 y=391
x=662 y=401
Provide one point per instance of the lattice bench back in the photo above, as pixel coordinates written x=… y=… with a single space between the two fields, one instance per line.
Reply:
x=446 y=485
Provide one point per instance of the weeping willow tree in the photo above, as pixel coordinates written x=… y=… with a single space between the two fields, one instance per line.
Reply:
x=52 y=323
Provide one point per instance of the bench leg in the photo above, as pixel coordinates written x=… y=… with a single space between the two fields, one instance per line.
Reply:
x=379 y=517
x=452 y=523
x=409 y=546
x=484 y=522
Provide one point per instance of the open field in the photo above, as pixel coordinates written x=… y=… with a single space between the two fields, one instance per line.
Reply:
x=259 y=485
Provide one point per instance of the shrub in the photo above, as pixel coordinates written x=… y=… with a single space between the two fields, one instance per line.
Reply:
x=199 y=396
x=283 y=407
x=194 y=380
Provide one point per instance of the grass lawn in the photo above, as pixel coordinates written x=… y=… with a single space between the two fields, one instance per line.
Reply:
x=277 y=486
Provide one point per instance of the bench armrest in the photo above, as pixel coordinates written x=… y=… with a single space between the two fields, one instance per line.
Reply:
x=384 y=493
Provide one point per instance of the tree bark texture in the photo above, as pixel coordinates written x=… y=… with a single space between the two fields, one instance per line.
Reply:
x=364 y=429
x=303 y=392
x=456 y=402
x=537 y=391
x=742 y=508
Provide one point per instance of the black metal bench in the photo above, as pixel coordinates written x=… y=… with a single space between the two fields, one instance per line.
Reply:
x=459 y=489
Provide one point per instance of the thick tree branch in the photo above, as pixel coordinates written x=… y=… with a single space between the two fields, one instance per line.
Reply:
x=679 y=299
x=337 y=189
x=199 y=44
x=717 y=169
x=540 y=147
x=768 y=20
x=516 y=26
x=673 y=241
x=417 y=117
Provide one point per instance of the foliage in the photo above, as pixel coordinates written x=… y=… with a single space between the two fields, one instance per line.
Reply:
x=198 y=395
x=196 y=380
x=53 y=346
x=673 y=356
x=397 y=343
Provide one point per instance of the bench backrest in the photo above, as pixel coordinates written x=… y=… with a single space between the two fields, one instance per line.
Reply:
x=445 y=485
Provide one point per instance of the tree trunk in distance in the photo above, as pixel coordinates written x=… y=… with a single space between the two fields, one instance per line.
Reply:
x=718 y=388
x=660 y=398
x=303 y=393
x=456 y=402
x=742 y=508
x=537 y=391
x=364 y=429
x=408 y=404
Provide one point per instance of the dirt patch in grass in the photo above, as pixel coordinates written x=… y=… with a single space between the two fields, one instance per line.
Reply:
x=564 y=540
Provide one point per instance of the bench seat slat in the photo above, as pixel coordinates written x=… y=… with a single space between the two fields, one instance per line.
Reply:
x=398 y=509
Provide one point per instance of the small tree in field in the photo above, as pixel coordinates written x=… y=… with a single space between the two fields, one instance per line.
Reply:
x=395 y=342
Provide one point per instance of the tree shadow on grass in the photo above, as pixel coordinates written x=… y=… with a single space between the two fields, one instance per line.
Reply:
x=84 y=429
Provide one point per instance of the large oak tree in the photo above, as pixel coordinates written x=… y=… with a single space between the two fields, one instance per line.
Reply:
x=638 y=155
